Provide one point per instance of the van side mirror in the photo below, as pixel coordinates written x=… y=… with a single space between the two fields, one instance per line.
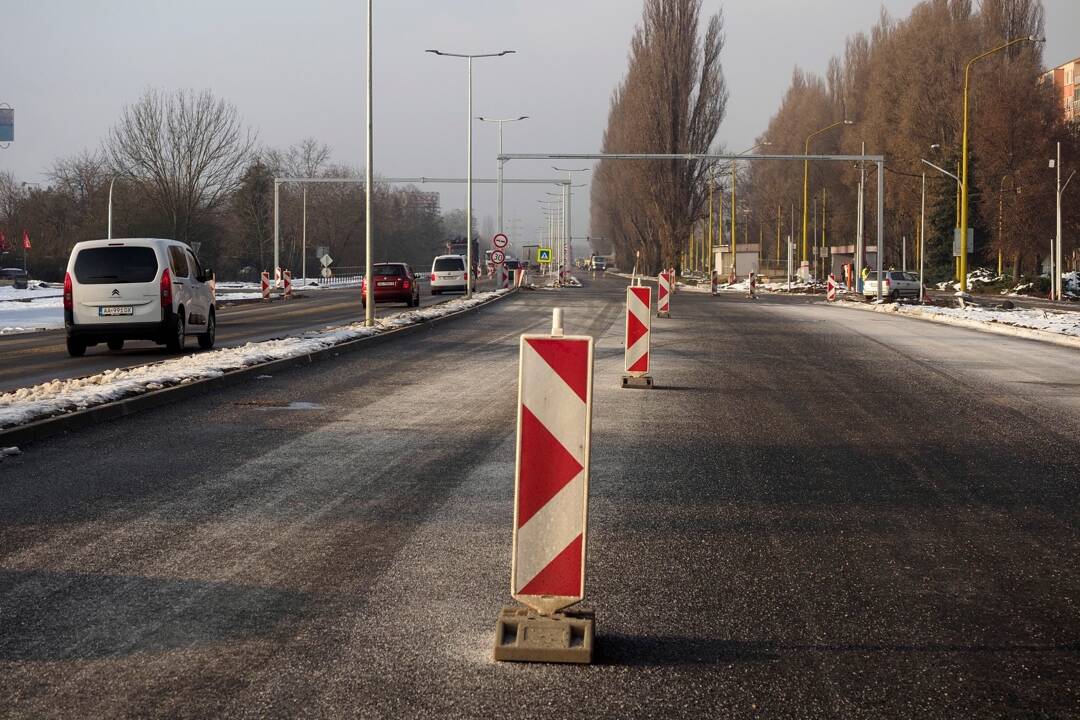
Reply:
x=207 y=275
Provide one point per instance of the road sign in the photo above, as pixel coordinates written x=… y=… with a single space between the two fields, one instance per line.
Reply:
x=326 y=260
x=956 y=242
x=498 y=256
x=552 y=471
x=327 y=273
x=543 y=256
x=500 y=241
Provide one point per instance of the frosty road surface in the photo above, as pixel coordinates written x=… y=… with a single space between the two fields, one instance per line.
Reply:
x=815 y=514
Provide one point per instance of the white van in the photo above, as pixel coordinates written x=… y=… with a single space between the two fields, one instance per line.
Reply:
x=136 y=289
x=448 y=273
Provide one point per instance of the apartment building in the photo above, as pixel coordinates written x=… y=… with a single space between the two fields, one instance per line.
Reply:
x=1066 y=79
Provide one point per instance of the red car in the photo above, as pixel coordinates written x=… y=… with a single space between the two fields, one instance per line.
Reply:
x=394 y=282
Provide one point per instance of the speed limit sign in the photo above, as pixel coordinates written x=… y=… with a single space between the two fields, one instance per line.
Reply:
x=500 y=241
x=497 y=257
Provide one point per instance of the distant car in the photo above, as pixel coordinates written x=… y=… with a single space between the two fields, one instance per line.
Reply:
x=136 y=289
x=448 y=273
x=393 y=282
x=14 y=277
x=599 y=264
x=896 y=285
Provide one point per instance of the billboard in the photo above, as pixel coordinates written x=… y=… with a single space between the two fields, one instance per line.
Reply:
x=7 y=124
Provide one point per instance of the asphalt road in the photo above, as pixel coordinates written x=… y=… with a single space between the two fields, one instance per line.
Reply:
x=31 y=358
x=818 y=513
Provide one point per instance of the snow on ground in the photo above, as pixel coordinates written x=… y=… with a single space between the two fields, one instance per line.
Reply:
x=38 y=307
x=61 y=396
x=1060 y=323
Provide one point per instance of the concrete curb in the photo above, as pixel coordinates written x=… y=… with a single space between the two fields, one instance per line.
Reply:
x=47 y=427
x=1068 y=341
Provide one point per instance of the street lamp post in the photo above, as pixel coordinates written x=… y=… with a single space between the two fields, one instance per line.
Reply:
x=369 y=178
x=734 y=174
x=806 y=186
x=569 y=228
x=964 y=157
x=499 y=182
x=468 y=183
x=1057 y=284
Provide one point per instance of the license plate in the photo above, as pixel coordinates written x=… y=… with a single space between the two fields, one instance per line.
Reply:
x=112 y=310
x=386 y=284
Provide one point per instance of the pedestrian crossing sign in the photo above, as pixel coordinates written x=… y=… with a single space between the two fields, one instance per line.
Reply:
x=543 y=256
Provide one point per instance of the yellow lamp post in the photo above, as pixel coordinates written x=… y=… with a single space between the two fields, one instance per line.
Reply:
x=964 y=156
x=806 y=184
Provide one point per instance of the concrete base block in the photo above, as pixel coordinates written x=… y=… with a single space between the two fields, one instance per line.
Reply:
x=523 y=635
x=643 y=382
x=663 y=315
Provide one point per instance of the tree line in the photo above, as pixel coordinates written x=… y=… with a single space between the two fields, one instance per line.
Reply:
x=902 y=86
x=183 y=165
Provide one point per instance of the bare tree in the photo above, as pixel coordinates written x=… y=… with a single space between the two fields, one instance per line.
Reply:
x=187 y=149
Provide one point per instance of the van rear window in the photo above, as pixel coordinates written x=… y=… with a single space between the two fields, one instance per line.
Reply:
x=116 y=265
x=449 y=264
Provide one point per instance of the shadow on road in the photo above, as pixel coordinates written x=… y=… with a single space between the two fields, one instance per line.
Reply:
x=56 y=616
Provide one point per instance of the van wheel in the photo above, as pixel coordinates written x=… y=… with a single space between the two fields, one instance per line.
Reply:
x=115 y=345
x=206 y=339
x=895 y=296
x=175 y=341
x=76 y=348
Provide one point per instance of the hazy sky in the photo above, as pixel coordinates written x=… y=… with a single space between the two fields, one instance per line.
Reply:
x=295 y=69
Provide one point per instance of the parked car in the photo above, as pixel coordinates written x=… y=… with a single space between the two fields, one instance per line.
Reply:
x=14 y=277
x=897 y=284
x=448 y=273
x=393 y=282
x=136 y=289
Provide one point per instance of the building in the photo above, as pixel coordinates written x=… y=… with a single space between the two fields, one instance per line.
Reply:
x=1066 y=79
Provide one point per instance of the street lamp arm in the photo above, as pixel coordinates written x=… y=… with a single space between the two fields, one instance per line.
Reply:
x=1071 y=176
x=1014 y=41
x=471 y=55
x=944 y=171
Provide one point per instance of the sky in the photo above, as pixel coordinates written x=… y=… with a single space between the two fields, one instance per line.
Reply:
x=296 y=70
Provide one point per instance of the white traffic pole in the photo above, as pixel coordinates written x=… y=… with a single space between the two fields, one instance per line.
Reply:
x=277 y=220
x=109 y=236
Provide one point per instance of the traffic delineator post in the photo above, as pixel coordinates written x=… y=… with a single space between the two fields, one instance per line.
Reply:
x=830 y=293
x=663 y=295
x=638 y=332
x=502 y=276
x=288 y=284
x=551 y=497
x=265 y=282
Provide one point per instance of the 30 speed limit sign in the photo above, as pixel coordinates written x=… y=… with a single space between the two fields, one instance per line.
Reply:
x=500 y=241
x=498 y=256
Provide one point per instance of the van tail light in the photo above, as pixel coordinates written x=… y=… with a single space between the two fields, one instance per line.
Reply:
x=434 y=277
x=69 y=301
x=166 y=289
x=888 y=282
x=406 y=285
x=466 y=274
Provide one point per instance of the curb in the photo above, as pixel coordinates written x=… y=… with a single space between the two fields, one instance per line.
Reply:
x=67 y=422
x=996 y=328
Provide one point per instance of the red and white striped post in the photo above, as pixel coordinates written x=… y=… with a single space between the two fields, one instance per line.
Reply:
x=551 y=500
x=288 y=284
x=552 y=476
x=502 y=276
x=663 y=295
x=265 y=282
x=277 y=277
x=830 y=292
x=638 y=331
